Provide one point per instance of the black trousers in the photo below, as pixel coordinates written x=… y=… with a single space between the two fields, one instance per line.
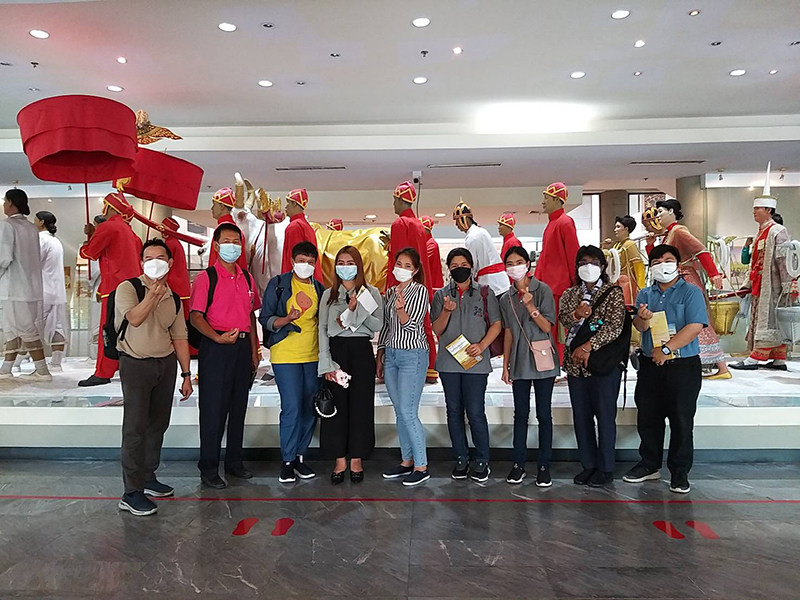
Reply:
x=224 y=372
x=595 y=397
x=668 y=392
x=148 y=387
x=351 y=432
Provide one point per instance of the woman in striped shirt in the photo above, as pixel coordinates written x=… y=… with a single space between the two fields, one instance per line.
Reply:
x=403 y=357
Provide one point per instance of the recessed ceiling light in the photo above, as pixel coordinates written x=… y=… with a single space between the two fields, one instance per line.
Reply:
x=114 y=88
x=458 y=50
x=49 y=199
x=265 y=83
x=227 y=27
x=637 y=73
x=639 y=44
x=335 y=55
x=694 y=13
x=440 y=215
x=420 y=80
x=421 y=22
x=300 y=82
x=620 y=14
x=122 y=60
x=39 y=34
x=773 y=72
x=751 y=188
x=716 y=43
x=737 y=72
x=370 y=216
x=577 y=74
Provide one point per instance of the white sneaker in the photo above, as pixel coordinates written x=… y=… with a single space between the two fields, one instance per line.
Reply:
x=36 y=376
x=55 y=368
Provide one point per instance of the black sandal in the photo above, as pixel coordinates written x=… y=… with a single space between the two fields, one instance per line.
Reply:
x=356 y=476
x=337 y=478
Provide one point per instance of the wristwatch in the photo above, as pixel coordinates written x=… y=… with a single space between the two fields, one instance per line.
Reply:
x=666 y=351
x=186 y=374
x=535 y=314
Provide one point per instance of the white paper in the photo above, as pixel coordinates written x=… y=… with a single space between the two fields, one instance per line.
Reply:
x=348 y=319
x=366 y=300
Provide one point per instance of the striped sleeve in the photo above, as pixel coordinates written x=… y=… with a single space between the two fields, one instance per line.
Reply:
x=383 y=337
x=417 y=306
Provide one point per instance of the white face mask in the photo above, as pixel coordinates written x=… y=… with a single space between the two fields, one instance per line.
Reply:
x=303 y=270
x=664 y=272
x=517 y=272
x=402 y=275
x=589 y=273
x=156 y=268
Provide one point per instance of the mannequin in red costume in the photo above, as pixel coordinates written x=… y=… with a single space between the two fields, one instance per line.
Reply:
x=695 y=258
x=408 y=232
x=434 y=264
x=298 y=231
x=335 y=225
x=222 y=204
x=178 y=276
x=556 y=263
x=505 y=227
x=118 y=249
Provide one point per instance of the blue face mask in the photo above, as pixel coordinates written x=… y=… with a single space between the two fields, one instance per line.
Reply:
x=347 y=272
x=230 y=253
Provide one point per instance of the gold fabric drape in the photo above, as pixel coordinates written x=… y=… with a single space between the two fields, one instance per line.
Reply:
x=366 y=241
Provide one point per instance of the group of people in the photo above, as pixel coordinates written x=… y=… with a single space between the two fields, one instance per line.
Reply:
x=565 y=314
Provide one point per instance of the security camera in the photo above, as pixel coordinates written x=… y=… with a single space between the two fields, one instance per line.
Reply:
x=417 y=176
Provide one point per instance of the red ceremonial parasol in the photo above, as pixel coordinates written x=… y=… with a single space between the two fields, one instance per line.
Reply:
x=161 y=228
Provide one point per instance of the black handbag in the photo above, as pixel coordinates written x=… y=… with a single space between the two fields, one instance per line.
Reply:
x=613 y=355
x=323 y=402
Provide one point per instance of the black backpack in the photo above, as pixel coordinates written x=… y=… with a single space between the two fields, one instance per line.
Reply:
x=111 y=335
x=195 y=337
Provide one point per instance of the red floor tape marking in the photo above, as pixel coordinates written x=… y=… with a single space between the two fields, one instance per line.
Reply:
x=669 y=529
x=703 y=529
x=244 y=526
x=449 y=500
x=282 y=526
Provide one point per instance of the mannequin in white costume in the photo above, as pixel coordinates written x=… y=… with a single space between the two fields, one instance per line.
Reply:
x=54 y=287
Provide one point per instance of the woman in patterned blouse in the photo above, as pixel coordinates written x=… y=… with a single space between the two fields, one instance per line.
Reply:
x=593 y=396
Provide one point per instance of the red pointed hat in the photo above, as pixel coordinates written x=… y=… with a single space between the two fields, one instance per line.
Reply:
x=427 y=222
x=508 y=219
x=558 y=190
x=170 y=224
x=225 y=197
x=406 y=192
x=118 y=203
x=298 y=196
x=336 y=224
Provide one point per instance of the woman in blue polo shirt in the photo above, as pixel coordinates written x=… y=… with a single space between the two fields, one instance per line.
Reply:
x=670 y=375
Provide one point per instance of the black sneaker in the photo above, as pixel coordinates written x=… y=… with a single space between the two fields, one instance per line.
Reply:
x=543 y=477
x=680 y=485
x=302 y=470
x=137 y=504
x=481 y=473
x=93 y=381
x=398 y=472
x=599 y=478
x=461 y=470
x=583 y=477
x=287 y=473
x=640 y=473
x=417 y=477
x=517 y=474
x=157 y=489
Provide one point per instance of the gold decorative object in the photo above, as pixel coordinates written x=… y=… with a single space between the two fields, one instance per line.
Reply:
x=147 y=133
x=723 y=316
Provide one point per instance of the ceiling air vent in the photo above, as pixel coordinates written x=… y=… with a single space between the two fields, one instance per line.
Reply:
x=464 y=165
x=660 y=163
x=309 y=168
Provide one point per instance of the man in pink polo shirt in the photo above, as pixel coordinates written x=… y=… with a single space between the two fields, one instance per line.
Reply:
x=222 y=304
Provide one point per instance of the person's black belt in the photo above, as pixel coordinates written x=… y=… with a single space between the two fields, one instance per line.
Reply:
x=241 y=336
x=673 y=360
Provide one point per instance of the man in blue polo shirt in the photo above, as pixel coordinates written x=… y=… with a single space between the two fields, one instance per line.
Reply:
x=670 y=375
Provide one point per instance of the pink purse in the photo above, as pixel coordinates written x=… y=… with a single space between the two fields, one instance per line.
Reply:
x=542 y=350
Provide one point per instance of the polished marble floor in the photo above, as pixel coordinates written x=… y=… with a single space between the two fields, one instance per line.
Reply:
x=735 y=536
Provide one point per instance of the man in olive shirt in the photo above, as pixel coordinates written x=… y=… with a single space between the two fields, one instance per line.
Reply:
x=151 y=335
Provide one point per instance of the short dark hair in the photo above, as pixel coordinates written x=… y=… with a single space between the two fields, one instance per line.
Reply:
x=672 y=205
x=158 y=243
x=661 y=250
x=100 y=219
x=518 y=250
x=592 y=252
x=306 y=249
x=412 y=253
x=49 y=220
x=19 y=199
x=628 y=222
x=460 y=252
x=225 y=227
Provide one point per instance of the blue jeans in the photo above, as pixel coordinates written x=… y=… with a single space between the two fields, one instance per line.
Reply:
x=297 y=384
x=467 y=392
x=404 y=372
x=595 y=397
x=543 y=391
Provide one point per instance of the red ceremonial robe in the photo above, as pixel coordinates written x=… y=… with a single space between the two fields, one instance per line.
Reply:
x=434 y=264
x=178 y=276
x=298 y=231
x=509 y=242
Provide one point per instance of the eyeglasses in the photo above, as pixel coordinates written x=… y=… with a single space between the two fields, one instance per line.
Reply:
x=583 y=263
